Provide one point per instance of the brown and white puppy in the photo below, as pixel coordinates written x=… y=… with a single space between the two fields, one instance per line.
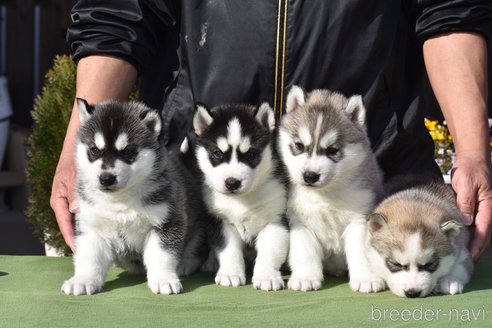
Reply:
x=416 y=240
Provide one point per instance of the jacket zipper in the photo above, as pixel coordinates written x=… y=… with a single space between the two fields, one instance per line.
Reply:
x=280 y=54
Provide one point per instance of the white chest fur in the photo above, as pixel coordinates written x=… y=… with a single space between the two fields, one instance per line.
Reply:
x=327 y=214
x=122 y=225
x=251 y=212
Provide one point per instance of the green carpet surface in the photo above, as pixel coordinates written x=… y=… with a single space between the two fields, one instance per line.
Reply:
x=30 y=296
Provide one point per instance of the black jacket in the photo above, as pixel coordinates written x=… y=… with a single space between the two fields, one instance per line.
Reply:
x=216 y=52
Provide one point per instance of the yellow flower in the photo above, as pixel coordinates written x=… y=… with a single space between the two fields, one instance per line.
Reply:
x=430 y=125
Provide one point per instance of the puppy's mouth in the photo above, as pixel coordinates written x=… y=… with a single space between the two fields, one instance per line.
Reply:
x=313 y=185
x=310 y=185
x=232 y=192
x=233 y=186
x=108 y=189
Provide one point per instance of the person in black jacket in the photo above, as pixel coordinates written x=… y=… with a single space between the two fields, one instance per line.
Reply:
x=214 y=52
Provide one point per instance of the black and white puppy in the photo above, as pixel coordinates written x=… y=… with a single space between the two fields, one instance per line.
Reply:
x=242 y=190
x=135 y=208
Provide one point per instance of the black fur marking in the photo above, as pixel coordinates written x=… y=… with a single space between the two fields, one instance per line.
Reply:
x=162 y=195
x=88 y=108
x=143 y=114
x=172 y=233
x=215 y=155
x=395 y=266
x=129 y=154
x=430 y=266
x=332 y=152
x=252 y=157
x=285 y=222
x=215 y=235
x=259 y=135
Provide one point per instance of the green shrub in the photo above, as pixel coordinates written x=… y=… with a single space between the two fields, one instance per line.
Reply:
x=51 y=114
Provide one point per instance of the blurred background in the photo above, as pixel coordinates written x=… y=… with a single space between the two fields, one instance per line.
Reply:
x=31 y=34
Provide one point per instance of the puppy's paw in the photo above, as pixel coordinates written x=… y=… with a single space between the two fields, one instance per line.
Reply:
x=268 y=283
x=230 y=280
x=79 y=285
x=166 y=286
x=369 y=284
x=449 y=285
x=304 y=284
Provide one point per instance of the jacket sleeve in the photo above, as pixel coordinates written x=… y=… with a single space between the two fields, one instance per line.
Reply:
x=129 y=29
x=441 y=16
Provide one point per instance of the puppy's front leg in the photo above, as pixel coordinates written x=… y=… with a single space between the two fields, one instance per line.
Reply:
x=231 y=261
x=91 y=262
x=305 y=259
x=459 y=275
x=362 y=279
x=161 y=262
x=272 y=245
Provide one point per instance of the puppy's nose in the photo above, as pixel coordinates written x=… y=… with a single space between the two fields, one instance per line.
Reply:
x=412 y=293
x=107 y=179
x=232 y=184
x=310 y=177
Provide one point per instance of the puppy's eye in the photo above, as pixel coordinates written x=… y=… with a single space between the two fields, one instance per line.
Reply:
x=217 y=155
x=129 y=153
x=330 y=151
x=429 y=266
x=299 y=147
x=95 y=152
x=251 y=155
x=394 y=266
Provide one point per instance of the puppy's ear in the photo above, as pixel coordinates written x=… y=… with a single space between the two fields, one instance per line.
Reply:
x=152 y=120
x=202 y=119
x=376 y=221
x=265 y=116
x=295 y=99
x=451 y=228
x=85 y=110
x=185 y=146
x=356 y=111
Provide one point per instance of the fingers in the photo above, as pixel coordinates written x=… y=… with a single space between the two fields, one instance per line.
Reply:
x=65 y=220
x=63 y=204
x=471 y=182
x=481 y=235
x=465 y=196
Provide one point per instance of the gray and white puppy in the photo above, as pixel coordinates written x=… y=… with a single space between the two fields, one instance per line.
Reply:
x=135 y=208
x=335 y=183
x=416 y=240
x=243 y=192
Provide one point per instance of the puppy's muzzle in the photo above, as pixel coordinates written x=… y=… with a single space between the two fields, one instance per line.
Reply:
x=107 y=179
x=310 y=177
x=412 y=293
x=232 y=184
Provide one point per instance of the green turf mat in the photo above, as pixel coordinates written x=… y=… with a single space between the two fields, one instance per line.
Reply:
x=30 y=297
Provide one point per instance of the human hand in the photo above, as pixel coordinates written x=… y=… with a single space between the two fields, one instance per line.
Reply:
x=471 y=179
x=62 y=199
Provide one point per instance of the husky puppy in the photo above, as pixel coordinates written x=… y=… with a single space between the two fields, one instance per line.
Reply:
x=416 y=240
x=135 y=209
x=335 y=183
x=234 y=151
